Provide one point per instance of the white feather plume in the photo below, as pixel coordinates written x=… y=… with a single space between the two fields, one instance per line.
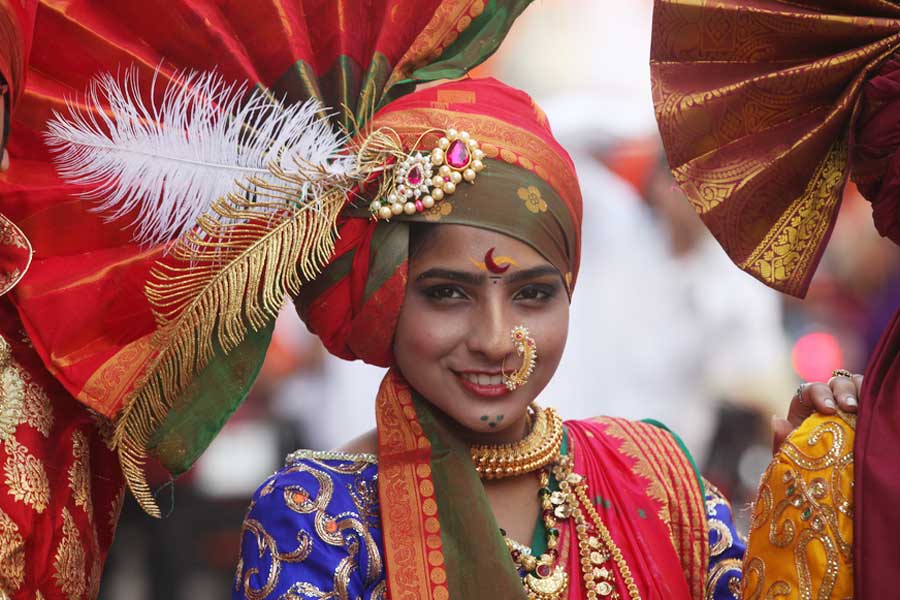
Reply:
x=206 y=139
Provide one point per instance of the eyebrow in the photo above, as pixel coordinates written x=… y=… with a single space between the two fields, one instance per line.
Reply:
x=473 y=279
x=532 y=273
x=460 y=276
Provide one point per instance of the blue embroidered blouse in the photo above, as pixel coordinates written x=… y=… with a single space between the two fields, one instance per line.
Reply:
x=313 y=532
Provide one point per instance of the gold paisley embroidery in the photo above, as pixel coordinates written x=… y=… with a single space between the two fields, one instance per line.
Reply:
x=38 y=411
x=12 y=393
x=26 y=479
x=725 y=539
x=728 y=566
x=80 y=474
x=801 y=532
x=327 y=528
x=21 y=399
x=69 y=560
x=12 y=555
x=531 y=197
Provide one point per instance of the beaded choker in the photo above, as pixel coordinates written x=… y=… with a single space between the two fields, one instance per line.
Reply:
x=539 y=448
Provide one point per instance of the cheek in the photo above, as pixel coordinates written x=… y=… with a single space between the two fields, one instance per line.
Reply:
x=424 y=333
x=550 y=336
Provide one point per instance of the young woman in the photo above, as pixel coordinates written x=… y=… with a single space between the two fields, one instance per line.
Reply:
x=122 y=317
x=468 y=488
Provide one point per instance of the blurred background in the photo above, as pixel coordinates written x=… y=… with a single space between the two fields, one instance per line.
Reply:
x=665 y=326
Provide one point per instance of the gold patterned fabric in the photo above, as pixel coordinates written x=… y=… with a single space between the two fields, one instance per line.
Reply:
x=313 y=531
x=756 y=101
x=801 y=529
x=61 y=486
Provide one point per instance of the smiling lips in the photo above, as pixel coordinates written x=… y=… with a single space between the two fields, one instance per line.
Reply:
x=489 y=385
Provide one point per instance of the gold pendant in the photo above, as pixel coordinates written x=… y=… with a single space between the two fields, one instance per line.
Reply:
x=551 y=586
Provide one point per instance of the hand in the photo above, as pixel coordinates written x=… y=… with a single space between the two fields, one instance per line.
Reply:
x=825 y=398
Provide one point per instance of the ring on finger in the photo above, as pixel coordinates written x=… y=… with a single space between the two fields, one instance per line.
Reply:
x=841 y=373
x=799 y=392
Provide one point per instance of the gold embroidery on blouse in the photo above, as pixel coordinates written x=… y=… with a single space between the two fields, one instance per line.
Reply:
x=722 y=568
x=754 y=578
x=801 y=529
x=26 y=479
x=320 y=455
x=328 y=528
x=725 y=540
x=365 y=499
x=69 y=561
x=12 y=555
x=80 y=474
x=267 y=545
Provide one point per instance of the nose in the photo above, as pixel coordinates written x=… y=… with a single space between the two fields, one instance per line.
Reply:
x=489 y=332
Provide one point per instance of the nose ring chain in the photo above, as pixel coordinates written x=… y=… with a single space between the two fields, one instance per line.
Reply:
x=526 y=348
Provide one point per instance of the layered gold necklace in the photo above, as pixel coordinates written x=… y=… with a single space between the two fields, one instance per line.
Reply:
x=537 y=450
x=542 y=577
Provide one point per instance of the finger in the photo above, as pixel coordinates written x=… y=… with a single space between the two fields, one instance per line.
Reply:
x=843 y=389
x=781 y=428
x=858 y=381
x=812 y=397
x=4 y=162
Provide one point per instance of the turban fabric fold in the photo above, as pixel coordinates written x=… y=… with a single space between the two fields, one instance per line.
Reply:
x=765 y=108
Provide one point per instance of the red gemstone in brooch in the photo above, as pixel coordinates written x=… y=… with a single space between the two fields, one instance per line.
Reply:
x=416 y=187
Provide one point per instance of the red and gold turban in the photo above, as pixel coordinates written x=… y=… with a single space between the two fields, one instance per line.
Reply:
x=528 y=191
x=83 y=301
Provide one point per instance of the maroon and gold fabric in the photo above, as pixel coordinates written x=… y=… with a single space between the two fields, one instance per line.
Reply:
x=761 y=105
x=528 y=190
x=765 y=108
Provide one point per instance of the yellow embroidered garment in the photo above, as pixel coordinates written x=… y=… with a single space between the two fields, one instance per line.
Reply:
x=801 y=531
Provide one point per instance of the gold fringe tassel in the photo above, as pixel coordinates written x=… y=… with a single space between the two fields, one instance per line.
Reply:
x=233 y=272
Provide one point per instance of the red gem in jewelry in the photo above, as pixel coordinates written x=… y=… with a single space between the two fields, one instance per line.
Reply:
x=543 y=570
x=414 y=177
x=458 y=154
x=419 y=206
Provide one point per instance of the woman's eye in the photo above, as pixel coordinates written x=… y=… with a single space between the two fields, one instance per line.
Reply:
x=444 y=292
x=535 y=292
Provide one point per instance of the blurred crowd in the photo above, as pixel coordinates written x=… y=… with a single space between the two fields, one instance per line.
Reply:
x=664 y=326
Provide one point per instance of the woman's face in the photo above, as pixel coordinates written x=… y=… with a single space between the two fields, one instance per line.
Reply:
x=467 y=289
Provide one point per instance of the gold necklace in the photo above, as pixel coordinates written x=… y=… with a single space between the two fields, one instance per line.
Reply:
x=543 y=579
x=595 y=544
x=539 y=448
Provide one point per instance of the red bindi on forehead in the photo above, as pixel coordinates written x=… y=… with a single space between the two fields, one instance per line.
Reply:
x=495 y=264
